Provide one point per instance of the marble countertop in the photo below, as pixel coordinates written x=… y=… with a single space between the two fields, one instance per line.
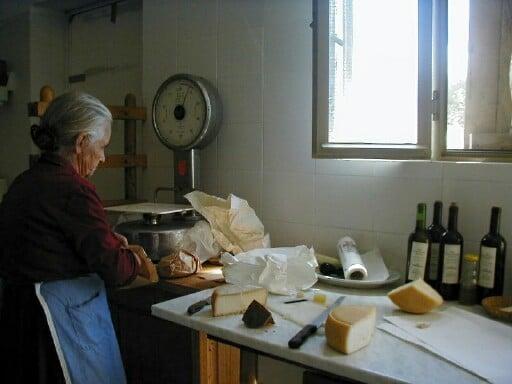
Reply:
x=387 y=358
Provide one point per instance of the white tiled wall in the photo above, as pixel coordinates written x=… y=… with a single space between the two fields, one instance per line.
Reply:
x=259 y=54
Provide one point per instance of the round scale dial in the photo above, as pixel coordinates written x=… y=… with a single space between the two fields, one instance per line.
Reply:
x=186 y=112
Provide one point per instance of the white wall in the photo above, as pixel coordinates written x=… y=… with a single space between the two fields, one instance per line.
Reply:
x=258 y=54
x=109 y=54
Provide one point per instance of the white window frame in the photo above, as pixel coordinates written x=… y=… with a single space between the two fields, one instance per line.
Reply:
x=432 y=95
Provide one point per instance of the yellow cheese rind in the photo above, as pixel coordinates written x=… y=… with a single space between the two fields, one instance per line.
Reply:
x=230 y=299
x=416 y=297
x=349 y=328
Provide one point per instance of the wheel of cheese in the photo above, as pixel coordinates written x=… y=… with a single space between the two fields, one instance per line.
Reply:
x=416 y=297
x=350 y=327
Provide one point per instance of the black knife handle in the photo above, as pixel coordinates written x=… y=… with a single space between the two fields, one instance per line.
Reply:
x=196 y=307
x=297 y=340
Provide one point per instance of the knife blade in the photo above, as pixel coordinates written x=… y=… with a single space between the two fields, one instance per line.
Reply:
x=301 y=336
x=196 y=307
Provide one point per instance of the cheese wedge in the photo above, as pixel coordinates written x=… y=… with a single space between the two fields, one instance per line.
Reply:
x=257 y=316
x=416 y=297
x=349 y=328
x=229 y=299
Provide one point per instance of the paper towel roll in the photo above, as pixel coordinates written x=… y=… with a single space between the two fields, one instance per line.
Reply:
x=353 y=266
x=3 y=188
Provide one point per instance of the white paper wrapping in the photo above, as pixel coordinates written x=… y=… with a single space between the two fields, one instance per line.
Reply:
x=234 y=223
x=283 y=271
x=473 y=342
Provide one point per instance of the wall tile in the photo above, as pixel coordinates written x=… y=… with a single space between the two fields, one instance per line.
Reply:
x=287 y=11
x=244 y=184
x=238 y=14
x=283 y=234
x=240 y=52
x=501 y=173
x=288 y=197
x=345 y=167
x=198 y=57
x=241 y=99
x=208 y=156
x=287 y=96
x=155 y=177
x=472 y=198
x=287 y=146
x=417 y=169
x=240 y=146
x=288 y=46
x=344 y=201
x=326 y=239
x=394 y=207
x=209 y=182
x=393 y=248
x=197 y=18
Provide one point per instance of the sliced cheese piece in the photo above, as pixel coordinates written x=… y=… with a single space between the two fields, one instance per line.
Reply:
x=416 y=297
x=349 y=328
x=229 y=299
x=257 y=316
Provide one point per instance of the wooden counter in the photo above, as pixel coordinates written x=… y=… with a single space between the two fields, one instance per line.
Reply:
x=154 y=350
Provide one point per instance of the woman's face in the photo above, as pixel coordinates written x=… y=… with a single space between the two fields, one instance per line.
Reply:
x=90 y=154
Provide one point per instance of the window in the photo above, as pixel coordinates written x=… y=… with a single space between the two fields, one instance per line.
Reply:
x=405 y=79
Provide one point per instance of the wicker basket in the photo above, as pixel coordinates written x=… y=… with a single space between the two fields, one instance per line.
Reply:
x=494 y=304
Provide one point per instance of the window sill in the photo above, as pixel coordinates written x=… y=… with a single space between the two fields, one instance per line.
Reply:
x=372 y=151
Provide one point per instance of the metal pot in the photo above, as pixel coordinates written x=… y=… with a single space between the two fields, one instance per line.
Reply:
x=158 y=235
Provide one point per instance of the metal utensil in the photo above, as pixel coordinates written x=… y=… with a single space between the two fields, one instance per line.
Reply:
x=297 y=340
x=196 y=307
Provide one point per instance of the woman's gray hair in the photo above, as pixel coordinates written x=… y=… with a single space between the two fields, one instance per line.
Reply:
x=67 y=116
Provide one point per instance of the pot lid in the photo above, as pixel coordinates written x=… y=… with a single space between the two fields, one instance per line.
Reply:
x=150 y=208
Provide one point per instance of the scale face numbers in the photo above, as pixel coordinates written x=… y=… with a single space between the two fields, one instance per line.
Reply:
x=186 y=112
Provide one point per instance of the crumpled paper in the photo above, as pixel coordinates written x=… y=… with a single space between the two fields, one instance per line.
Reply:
x=199 y=241
x=233 y=222
x=283 y=271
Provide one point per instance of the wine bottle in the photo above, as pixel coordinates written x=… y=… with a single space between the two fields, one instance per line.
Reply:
x=418 y=249
x=435 y=231
x=450 y=253
x=493 y=249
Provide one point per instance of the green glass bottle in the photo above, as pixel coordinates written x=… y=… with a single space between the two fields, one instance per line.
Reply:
x=418 y=249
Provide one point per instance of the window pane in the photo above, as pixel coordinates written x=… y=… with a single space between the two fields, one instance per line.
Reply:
x=479 y=91
x=374 y=71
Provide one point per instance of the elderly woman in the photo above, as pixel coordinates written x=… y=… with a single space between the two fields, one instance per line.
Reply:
x=53 y=227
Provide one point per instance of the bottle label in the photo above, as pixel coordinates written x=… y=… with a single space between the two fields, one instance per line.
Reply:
x=487 y=267
x=418 y=260
x=451 y=264
x=434 y=261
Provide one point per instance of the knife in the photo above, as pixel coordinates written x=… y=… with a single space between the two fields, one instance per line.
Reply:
x=297 y=340
x=196 y=307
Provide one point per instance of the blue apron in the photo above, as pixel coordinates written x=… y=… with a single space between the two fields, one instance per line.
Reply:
x=81 y=327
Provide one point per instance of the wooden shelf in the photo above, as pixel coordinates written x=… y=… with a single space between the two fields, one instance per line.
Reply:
x=37 y=109
x=124 y=161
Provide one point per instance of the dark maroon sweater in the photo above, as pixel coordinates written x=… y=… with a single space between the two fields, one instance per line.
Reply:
x=53 y=226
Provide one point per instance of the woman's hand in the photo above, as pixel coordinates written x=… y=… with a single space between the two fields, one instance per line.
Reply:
x=122 y=239
x=147 y=268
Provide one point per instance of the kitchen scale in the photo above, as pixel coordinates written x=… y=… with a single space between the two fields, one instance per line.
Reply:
x=186 y=116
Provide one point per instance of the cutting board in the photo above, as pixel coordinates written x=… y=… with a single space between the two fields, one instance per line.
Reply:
x=301 y=313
